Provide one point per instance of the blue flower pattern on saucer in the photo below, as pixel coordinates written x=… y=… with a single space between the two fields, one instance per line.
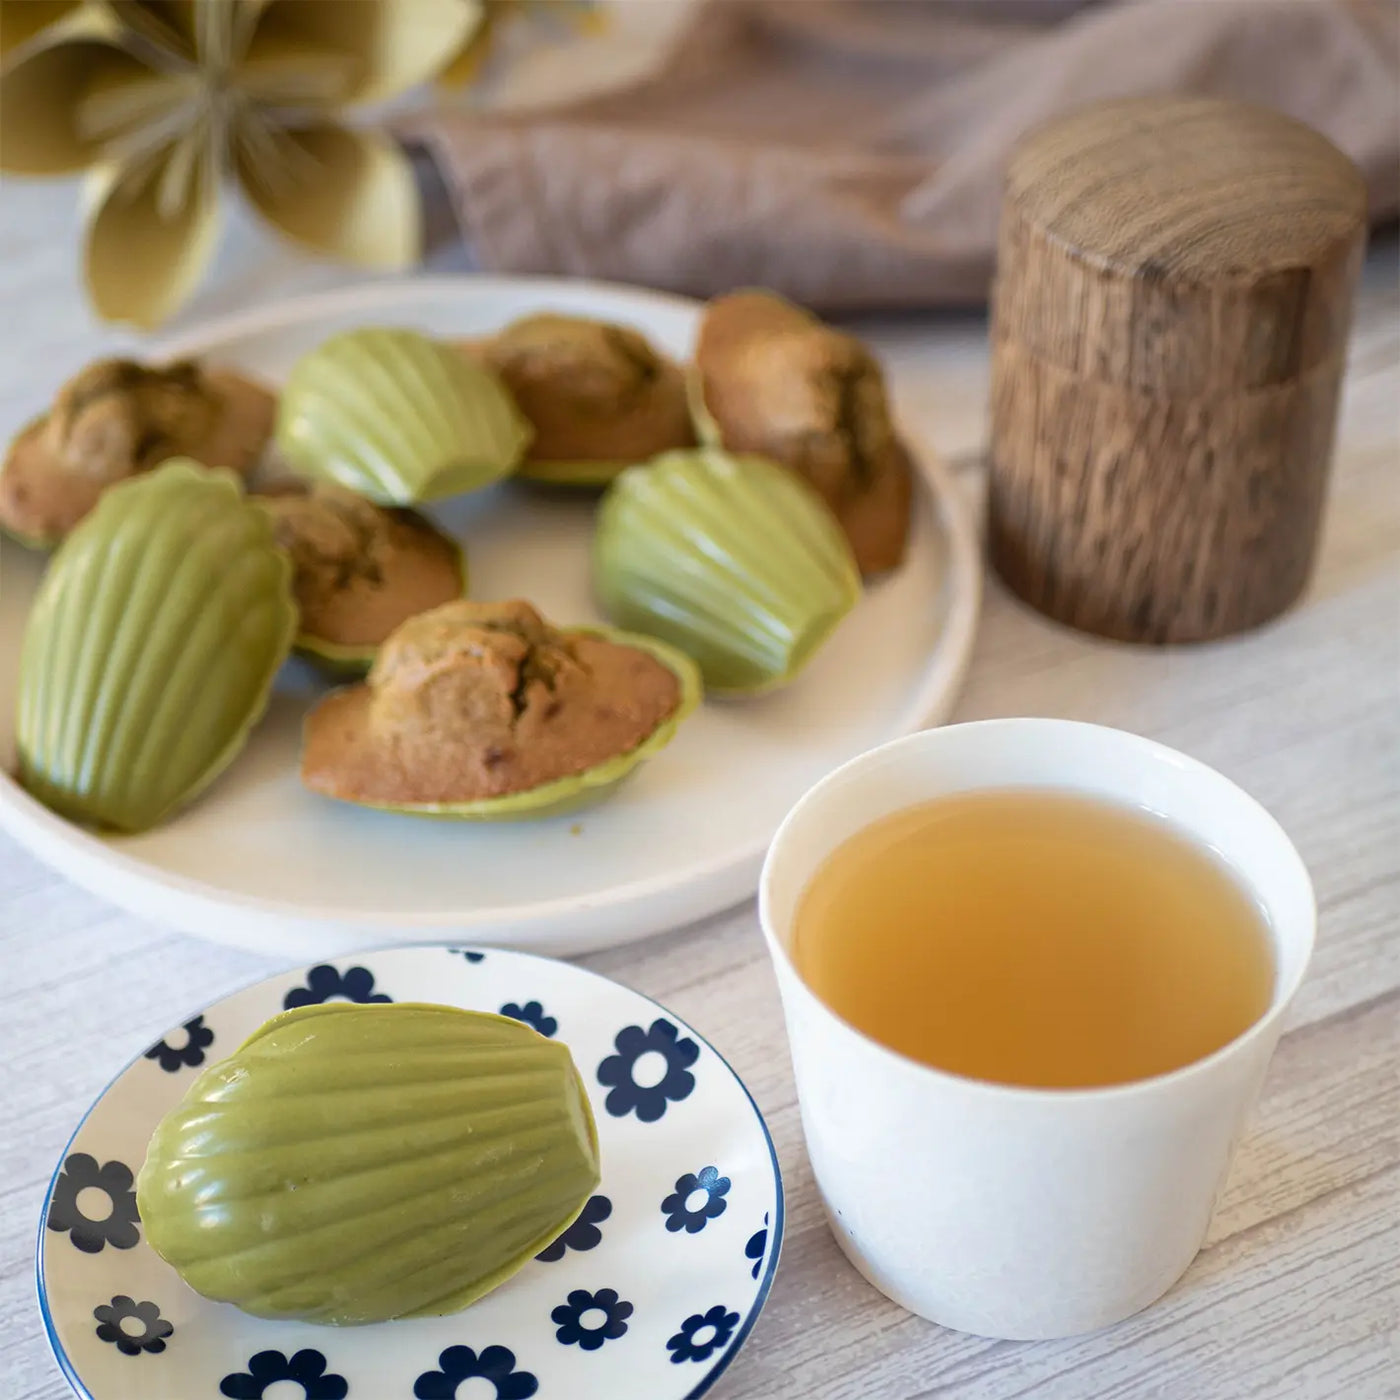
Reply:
x=587 y=1320
x=117 y=1226
x=621 y=1348
x=173 y=1058
x=458 y=1364
x=583 y=1234
x=697 y=1199
x=324 y=983
x=648 y=1101
x=306 y=1368
x=757 y=1247
x=532 y=1014
x=111 y=1326
x=702 y=1333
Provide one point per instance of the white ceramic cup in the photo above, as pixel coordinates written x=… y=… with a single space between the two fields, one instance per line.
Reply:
x=1019 y=1212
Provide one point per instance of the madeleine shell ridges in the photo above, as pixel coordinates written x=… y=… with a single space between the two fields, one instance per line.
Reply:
x=350 y=1164
x=398 y=417
x=151 y=648
x=730 y=558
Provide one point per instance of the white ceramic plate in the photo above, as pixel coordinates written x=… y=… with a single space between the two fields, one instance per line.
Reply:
x=262 y=863
x=648 y=1296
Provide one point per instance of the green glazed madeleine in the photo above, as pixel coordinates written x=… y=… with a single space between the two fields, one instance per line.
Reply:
x=151 y=648
x=732 y=559
x=398 y=417
x=350 y=1164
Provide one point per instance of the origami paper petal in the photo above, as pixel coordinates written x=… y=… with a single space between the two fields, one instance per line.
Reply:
x=350 y=194
x=135 y=113
x=390 y=45
x=40 y=131
x=139 y=92
x=171 y=28
x=141 y=257
x=277 y=70
x=214 y=32
x=21 y=20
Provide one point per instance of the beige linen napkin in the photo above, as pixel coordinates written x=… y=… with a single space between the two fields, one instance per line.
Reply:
x=850 y=152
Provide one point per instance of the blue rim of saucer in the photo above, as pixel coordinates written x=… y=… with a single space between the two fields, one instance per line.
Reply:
x=705 y=1383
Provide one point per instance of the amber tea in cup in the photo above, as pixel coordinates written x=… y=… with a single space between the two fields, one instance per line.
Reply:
x=1032 y=973
x=1035 y=937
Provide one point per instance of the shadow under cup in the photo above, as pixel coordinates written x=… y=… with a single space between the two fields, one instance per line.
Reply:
x=1012 y=1212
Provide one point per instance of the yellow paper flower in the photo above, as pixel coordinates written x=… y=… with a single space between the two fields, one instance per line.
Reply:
x=161 y=101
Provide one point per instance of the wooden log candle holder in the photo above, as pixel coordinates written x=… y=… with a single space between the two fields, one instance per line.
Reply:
x=1170 y=318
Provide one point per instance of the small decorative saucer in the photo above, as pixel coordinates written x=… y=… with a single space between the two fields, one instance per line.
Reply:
x=647 y=1296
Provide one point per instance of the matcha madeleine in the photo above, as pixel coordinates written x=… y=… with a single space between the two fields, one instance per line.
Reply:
x=360 y=569
x=598 y=396
x=351 y=1164
x=733 y=559
x=773 y=379
x=151 y=648
x=484 y=711
x=116 y=419
x=398 y=417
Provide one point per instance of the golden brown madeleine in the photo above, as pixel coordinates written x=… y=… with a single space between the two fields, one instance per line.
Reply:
x=360 y=569
x=483 y=711
x=243 y=425
x=117 y=418
x=599 y=396
x=776 y=381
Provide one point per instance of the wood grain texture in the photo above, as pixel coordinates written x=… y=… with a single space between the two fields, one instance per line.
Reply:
x=1174 y=295
x=1180 y=244
x=1296 y=1295
x=1155 y=519
x=1156 y=333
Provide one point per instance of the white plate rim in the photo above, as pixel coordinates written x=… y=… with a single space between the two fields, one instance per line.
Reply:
x=777 y=1229
x=727 y=879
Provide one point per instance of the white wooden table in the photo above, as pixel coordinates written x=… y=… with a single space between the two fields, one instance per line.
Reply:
x=1297 y=1294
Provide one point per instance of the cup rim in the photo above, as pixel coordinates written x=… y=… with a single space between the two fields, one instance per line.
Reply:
x=1279 y=1001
